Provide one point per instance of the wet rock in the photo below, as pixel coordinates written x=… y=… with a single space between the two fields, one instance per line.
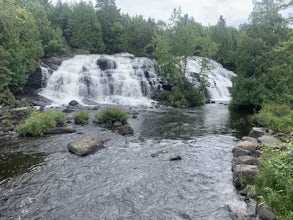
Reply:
x=60 y=130
x=165 y=155
x=125 y=130
x=248 y=145
x=73 y=103
x=266 y=212
x=106 y=63
x=257 y=132
x=85 y=146
x=243 y=174
x=238 y=152
x=269 y=141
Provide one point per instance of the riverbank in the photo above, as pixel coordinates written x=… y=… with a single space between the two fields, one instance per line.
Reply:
x=257 y=160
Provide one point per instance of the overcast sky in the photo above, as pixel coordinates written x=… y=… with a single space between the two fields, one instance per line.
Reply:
x=206 y=12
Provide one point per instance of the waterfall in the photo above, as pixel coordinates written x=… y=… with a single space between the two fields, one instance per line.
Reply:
x=123 y=79
x=219 y=78
x=88 y=79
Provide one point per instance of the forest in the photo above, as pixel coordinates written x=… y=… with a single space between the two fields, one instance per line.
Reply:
x=260 y=52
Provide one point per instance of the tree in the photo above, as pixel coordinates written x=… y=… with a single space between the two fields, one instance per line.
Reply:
x=85 y=29
x=261 y=76
x=112 y=25
x=138 y=35
x=20 y=39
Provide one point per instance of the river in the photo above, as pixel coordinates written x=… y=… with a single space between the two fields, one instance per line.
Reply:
x=42 y=180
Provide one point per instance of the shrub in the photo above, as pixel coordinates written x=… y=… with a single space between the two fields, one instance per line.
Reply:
x=276 y=117
x=81 y=118
x=39 y=122
x=273 y=184
x=112 y=115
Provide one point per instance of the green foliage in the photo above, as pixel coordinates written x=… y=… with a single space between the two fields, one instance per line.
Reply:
x=273 y=183
x=85 y=29
x=112 y=115
x=276 y=117
x=264 y=48
x=39 y=122
x=81 y=118
x=112 y=24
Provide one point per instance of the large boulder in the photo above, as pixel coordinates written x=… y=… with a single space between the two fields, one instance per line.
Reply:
x=266 y=212
x=243 y=174
x=125 y=130
x=248 y=160
x=106 y=63
x=85 y=146
x=238 y=152
x=248 y=145
x=257 y=132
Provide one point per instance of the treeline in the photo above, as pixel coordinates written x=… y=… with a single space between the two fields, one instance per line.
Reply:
x=260 y=52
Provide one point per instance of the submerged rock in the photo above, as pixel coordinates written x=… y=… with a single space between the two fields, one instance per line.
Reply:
x=85 y=146
x=73 y=103
x=165 y=155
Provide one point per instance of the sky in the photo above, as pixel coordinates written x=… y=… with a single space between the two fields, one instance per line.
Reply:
x=206 y=12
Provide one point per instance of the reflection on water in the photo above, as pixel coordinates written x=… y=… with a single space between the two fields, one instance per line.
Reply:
x=123 y=181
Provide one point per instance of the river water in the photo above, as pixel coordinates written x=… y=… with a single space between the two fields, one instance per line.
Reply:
x=42 y=180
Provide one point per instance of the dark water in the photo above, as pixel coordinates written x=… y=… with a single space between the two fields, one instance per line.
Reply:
x=123 y=181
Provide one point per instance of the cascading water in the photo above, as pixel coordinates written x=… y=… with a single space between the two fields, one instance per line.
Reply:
x=124 y=79
x=120 y=79
x=219 y=78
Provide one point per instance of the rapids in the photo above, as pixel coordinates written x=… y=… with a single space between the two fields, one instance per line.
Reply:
x=123 y=181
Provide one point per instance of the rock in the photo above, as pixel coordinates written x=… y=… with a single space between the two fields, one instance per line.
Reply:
x=60 y=130
x=269 y=141
x=291 y=133
x=248 y=160
x=251 y=208
x=106 y=63
x=125 y=130
x=266 y=212
x=238 y=152
x=243 y=174
x=164 y=155
x=85 y=146
x=257 y=132
x=73 y=103
x=248 y=145
x=250 y=139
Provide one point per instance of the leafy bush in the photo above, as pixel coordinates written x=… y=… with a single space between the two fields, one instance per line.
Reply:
x=273 y=184
x=39 y=122
x=112 y=115
x=81 y=118
x=276 y=117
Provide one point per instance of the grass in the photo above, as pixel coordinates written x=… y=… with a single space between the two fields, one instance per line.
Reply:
x=279 y=118
x=81 y=118
x=112 y=115
x=274 y=183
